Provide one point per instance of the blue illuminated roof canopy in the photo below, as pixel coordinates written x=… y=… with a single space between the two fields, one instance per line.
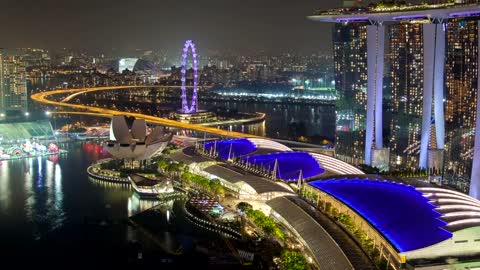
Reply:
x=234 y=148
x=400 y=212
x=289 y=164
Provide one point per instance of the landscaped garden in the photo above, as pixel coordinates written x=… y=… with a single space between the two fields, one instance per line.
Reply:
x=265 y=223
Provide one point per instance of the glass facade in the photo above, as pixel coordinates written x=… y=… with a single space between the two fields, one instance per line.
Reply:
x=460 y=104
x=13 y=84
x=403 y=95
x=405 y=63
x=13 y=132
x=350 y=59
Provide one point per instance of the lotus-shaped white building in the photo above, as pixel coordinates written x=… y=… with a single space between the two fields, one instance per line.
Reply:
x=135 y=142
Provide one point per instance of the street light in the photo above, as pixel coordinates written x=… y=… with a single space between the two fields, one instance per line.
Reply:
x=47 y=113
x=27 y=113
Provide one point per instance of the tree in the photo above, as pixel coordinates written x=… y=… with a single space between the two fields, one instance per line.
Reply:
x=220 y=191
x=293 y=260
x=265 y=223
x=216 y=187
x=244 y=206
x=163 y=164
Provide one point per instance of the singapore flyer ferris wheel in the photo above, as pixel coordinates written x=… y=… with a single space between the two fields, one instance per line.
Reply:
x=193 y=108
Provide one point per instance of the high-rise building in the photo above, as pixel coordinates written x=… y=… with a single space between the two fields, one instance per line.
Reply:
x=405 y=60
x=404 y=94
x=13 y=85
x=461 y=98
x=350 y=65
x=449 y=124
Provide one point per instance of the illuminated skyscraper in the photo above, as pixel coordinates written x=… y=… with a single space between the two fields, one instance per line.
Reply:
x=405 y=77
x=461 y=97
x=450 y=86
x=13 y=85
x=406 y=90
x=350 y=60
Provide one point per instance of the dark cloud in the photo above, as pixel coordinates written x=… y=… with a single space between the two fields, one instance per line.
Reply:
x=239 y=25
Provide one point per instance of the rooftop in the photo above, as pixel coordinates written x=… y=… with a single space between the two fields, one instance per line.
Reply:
x=323 y=247
x=400 y=212
x=227 y=149
x=188 y=156
x=260 y=185
x=10 y=132
x=143 y=181
x=397 y=12
x=289 y=164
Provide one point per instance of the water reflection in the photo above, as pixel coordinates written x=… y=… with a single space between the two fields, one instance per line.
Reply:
x=4 y=186
x=253 y=128
x=137 y=205
x=42 y=194
x=318 y=119
x=40 y=199
x=95 y=150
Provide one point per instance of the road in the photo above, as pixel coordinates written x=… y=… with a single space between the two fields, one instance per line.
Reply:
x=102 y=112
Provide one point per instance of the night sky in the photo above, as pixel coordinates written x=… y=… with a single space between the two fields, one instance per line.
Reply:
x=224 y=25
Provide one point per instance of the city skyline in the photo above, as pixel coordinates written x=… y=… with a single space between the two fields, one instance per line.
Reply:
x=242 y=134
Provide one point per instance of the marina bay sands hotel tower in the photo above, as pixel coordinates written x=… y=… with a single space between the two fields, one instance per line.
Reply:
x=432 y=21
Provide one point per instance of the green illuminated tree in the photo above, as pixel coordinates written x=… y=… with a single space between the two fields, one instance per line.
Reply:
x=293 y=260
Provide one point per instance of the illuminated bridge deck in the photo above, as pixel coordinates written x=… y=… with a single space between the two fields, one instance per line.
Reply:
x=43 y=98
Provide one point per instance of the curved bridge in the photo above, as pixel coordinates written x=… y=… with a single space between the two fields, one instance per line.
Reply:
x=102 y=112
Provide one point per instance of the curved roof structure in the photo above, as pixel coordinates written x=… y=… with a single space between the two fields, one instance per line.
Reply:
x=289 y=164
x=326 y=251
x=459 y=210
x=258 y=184
x=400 y=212
x=259 y=148
x=269 y=144
x=227 y=149
x=335 y=165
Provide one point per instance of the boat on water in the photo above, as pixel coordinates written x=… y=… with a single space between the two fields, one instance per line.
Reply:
x=150 y=188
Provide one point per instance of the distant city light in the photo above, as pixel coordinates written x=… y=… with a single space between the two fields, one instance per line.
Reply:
x=27 y=113
x=47 y=113
x=325 y=96
x=2 y=115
